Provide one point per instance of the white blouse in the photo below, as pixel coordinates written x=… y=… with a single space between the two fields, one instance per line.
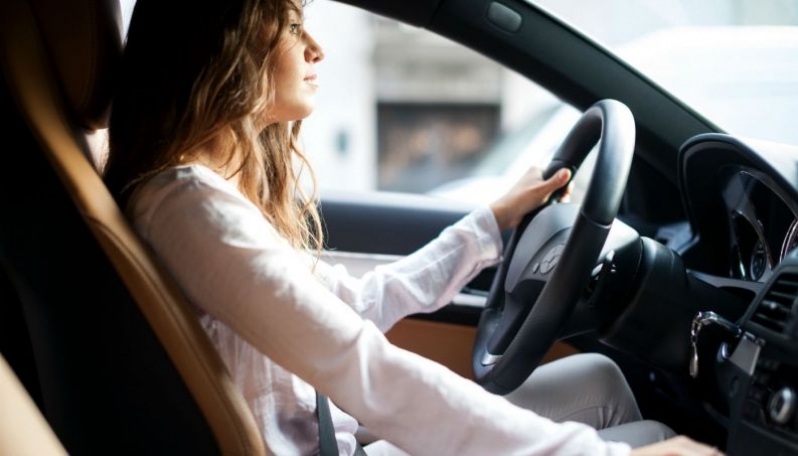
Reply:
x=283 y=328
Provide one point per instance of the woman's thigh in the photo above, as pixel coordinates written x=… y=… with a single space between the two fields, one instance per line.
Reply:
x=586 y=387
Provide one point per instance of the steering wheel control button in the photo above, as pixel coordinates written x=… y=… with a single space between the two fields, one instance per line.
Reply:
x=550 y=260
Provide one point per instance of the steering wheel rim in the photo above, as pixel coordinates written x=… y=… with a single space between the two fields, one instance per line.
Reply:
x=512 y=334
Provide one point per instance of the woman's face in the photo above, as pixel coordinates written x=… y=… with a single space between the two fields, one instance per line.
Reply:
x=295 y=82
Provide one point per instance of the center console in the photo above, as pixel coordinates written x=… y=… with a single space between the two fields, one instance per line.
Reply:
x=759 y=374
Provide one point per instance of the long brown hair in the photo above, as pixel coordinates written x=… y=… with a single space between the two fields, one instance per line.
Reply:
x=199 y=73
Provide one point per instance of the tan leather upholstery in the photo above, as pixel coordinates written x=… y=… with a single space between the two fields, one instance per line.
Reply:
x=23 y=429
x=58 y=57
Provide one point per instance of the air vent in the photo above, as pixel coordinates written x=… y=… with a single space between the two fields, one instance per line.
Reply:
x=773 y=312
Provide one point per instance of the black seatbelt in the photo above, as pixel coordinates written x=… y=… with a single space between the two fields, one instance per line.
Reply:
x=328 y=446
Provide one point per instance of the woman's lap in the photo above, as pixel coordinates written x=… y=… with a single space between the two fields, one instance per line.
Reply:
x=589 y=388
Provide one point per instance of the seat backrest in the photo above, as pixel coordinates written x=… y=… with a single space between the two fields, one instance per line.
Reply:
x=23 y=429
x=120 y=362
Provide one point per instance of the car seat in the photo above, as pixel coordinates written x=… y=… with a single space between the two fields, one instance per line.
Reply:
x=100 y=336
x=23 y=429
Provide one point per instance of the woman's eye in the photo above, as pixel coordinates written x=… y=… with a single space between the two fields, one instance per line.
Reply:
x=295 y=28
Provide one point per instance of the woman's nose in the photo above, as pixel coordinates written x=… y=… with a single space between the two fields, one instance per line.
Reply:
x=313 y=51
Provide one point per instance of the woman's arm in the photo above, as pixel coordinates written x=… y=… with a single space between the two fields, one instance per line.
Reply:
x=424 y=281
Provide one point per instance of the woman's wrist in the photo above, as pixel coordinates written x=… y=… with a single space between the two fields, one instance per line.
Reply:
x=499 y=213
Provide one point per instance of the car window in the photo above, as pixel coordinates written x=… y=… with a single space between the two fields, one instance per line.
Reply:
x=401 y=109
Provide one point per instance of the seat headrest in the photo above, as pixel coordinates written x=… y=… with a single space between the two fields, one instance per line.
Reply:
x=84 y=39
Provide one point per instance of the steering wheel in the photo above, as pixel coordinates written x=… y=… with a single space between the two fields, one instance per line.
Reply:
x=551 y=255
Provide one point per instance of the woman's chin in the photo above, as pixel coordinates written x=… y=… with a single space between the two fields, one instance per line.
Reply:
x=292 y=115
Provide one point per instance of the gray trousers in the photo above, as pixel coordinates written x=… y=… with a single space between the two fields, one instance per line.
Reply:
x=586 y=387
x=589 y=388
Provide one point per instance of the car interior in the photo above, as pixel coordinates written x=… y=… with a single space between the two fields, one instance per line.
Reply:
x=681 y=267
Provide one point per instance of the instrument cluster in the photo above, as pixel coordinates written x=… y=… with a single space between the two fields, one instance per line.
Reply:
x=763 y=228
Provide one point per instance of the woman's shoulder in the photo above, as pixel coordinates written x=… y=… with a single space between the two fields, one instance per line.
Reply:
x=182 y=186
x=187 y=175
x=185 y=178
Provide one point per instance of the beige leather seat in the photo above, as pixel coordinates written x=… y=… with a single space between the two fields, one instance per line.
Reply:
x=100 y=336
x=23 y=429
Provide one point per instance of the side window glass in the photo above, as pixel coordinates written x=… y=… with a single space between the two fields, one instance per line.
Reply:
x=400 y=109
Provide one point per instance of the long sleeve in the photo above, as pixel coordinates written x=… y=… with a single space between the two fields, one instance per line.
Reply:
x=424 y=281
x=233 y=265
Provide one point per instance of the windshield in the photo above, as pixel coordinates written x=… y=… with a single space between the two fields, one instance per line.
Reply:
x=734 y=61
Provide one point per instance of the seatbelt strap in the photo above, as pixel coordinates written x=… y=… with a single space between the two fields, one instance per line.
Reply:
x=328 y=446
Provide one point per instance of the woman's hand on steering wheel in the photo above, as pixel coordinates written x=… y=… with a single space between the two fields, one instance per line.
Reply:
x=530 y=192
